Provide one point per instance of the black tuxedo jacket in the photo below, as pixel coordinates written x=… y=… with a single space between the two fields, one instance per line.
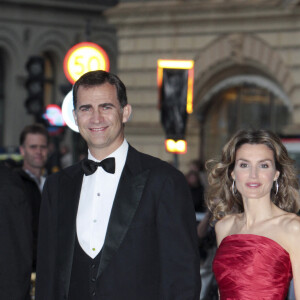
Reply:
x=34 y=197
x=150 y=250
x=15 y=237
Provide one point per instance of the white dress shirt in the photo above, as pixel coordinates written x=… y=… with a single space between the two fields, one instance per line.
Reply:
x=96 y=199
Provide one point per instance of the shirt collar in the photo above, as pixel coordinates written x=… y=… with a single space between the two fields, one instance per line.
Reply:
x=39 y=181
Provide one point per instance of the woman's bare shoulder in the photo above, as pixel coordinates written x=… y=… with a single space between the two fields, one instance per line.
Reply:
x=226 y=221
x=290 y=223
x=290 y=231
x=224 y=227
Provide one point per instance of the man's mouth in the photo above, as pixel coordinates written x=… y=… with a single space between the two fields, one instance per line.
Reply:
x=97 y=129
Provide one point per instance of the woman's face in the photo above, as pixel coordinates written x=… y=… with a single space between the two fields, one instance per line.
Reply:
x=254 y=171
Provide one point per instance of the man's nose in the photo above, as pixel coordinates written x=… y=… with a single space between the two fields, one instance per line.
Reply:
x=97 y=116
x=38 y=150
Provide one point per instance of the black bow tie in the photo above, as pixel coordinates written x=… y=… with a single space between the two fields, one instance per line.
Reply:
x=89 y=166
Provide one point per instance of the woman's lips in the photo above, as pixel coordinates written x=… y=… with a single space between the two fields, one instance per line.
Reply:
x=253 y=185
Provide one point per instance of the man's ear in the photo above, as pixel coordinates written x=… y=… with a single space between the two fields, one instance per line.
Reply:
x=75 y=116
x=21 y=150
x=127 y=109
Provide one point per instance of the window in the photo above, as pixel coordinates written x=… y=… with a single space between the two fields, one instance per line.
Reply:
x=241 y=106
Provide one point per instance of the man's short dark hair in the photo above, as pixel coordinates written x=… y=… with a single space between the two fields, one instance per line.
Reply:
x=99 y=77
x=34 y=129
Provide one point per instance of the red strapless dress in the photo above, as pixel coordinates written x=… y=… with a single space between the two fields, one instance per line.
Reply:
x=248 y=267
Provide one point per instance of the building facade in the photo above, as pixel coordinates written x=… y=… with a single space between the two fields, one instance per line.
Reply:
x=46 y=29
x=247 y=59
x=246 y=54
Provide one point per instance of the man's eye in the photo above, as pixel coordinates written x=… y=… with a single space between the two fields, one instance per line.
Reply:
x=84 y=109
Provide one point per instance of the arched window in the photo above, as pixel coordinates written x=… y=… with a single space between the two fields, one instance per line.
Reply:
x=241 y=102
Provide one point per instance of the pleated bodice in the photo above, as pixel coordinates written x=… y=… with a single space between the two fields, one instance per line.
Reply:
x=249 y=266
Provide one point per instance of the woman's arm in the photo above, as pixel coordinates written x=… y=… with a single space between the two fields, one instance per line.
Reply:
x=293 y=242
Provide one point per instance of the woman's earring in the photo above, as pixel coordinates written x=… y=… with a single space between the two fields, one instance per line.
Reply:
x=276 y=187
x=233 y=189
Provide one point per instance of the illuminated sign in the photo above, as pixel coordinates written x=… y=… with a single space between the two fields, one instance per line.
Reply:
x=67 y=111
x=178 y=64
x=53 y=115
x=177 y=147
x=84 y=57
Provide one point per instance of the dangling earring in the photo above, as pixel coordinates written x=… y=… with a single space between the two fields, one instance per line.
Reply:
x=233 y=189
x=276 y=187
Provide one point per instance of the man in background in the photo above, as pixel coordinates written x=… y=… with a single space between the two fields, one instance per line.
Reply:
x=34 y=149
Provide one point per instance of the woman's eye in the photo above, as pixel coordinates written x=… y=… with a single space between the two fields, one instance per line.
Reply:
x=264 y=166
x=243 y=165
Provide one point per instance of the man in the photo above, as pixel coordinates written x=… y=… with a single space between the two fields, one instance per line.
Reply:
x=123 y=231
x=15 y=237
x=34 y=149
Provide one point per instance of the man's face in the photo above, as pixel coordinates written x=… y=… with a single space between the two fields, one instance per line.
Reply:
x=34 y=151
x=100 y=118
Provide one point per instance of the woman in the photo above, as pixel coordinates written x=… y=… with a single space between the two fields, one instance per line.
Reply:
x=254 y=196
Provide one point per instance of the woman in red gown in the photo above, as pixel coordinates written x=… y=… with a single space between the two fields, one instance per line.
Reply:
x=254 y=196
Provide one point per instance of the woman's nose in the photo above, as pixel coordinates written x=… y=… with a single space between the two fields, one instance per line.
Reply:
x=253 y=172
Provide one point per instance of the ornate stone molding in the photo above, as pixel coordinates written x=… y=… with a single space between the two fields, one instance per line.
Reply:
x=236 y=49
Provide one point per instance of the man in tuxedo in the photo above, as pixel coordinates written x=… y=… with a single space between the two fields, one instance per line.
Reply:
x=119 y=225
x=15 y=237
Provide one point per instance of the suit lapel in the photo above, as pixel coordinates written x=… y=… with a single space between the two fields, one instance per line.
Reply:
x=68 y=205
x=129 y=193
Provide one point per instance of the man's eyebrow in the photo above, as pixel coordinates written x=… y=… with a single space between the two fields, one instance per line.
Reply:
x=85 y=106
x=106 y=104
x=100 y=105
